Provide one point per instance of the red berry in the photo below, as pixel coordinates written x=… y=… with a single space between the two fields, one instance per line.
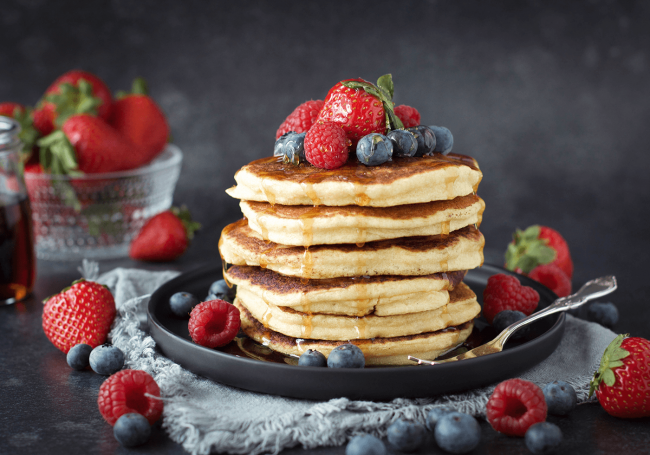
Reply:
x=214 y=323
x=557 y=242
x=514 y=406
x=82 y=313
x=622 y=383
x=301 y=119
x=551 y=276
x=164 y=237
x=504 y=292
x=326 y=145
x=538 y=245
x=409 y=116
x=358 y=112
x=130 y=391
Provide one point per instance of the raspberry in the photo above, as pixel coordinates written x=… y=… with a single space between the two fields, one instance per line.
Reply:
x=301 y=119
x=514 y=406
x=326 y=145
x=504 y=292
x=130 y=391
x=214 y=323
x=551 y=276
x=409 y=116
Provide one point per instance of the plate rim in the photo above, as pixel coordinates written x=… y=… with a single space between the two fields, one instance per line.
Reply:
x=157 y=329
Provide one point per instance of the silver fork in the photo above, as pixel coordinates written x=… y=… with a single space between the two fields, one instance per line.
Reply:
x=589 y=291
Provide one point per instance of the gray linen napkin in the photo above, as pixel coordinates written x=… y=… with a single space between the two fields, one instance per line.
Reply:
x=205 y=416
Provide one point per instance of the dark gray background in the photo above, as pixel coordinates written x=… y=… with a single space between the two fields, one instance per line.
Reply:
x=551 y=97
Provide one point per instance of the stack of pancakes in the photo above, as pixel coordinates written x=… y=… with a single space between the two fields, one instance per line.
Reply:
x=374 y=256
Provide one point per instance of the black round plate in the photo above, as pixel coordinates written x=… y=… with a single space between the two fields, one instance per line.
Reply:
x=381 y=383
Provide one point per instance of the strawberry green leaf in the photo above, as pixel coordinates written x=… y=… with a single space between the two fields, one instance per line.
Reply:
x=527 y=250
x=74 y=99
x=190 y=225
x=28 y=134
x=138 y=87
x=611 y=360
x=385 y=83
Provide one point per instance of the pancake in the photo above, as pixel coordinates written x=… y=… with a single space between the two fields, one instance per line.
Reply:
x=423 y=255
x=461 y=308
x=354 y=296
x=397 y=182
x=377 y=351
x=305 y=226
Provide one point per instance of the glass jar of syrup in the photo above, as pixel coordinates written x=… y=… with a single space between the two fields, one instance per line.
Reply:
x=17 y=259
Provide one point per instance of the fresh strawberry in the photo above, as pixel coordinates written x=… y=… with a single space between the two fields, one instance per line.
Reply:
x=326 y=145
x=82 y=313
x=139 y=119
x=538 y=245
x=409 y=116
x=301 y=119
x=86 y=144
x=622 y=383
x=505 y=292
x=165 y=236
x=551 y=276
x=75 y=92
x=28 y=134
x=361 y=108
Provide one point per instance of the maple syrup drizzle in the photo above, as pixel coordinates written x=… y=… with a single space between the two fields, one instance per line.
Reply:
x=361 y=327
x=268 y=194
x=307 y=325
x=444 y=228
x=306 y=266
x=307 y=226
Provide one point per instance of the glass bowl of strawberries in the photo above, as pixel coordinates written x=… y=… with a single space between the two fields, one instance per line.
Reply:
x=97 y=167
x=96 y=216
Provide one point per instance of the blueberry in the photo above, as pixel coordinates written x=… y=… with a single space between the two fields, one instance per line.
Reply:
x=291 y=147
x=221 y=290
x=365 y=444
x=406 y=436
x=435 y=415
x=182 y=303
x=506 y=318
x=78 y=356
x=279 y=144
x=426 y=139
x=374 y=149
x=605 y=314
x=543 y=437
x=444 y=139
x=346 y=356
x=457 y=433
x=312 y=358
x=132 y=430
x=404 y=143
x=560 y=398
x=106 y=359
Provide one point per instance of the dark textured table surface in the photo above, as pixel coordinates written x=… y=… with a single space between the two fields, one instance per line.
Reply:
x=551 y=98
x=47 y=407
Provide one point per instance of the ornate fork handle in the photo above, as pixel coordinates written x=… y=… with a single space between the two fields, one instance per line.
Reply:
x=590 y=290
